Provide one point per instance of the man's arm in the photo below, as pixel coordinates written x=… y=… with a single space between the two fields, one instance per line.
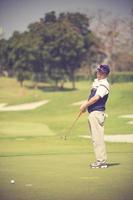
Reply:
x=89 y=102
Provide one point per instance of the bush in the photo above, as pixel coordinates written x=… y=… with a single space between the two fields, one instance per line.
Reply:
x=120 y=77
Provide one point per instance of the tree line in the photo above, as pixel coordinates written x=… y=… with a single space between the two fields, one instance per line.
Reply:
x=52 y=48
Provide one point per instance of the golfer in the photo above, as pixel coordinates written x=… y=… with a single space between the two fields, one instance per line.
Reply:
x=96 y=108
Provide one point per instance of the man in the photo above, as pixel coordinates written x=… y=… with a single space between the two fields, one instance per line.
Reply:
x=96 y=108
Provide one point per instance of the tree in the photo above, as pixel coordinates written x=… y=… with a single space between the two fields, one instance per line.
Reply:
x=115 y=33
x=53 y=48
x=76 y=42
x=50 y=17
x=65 y=42
x=72 y=51
x=3 y=55
x=24 y=55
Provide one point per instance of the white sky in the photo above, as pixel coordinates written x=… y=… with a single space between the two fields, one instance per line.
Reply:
x=18 y=14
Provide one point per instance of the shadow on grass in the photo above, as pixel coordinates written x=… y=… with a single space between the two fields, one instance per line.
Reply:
x=52 y=89
x=113 y=164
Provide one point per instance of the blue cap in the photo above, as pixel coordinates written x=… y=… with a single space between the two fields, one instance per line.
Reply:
x=104 y=69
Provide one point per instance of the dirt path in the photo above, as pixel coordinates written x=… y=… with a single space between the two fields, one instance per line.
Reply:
x=21 y=107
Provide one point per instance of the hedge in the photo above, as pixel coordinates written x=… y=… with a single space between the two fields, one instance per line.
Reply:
x=117 y=77
x=120 y=77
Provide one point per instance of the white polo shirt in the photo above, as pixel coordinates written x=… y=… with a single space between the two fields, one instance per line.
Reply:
x=101 y=86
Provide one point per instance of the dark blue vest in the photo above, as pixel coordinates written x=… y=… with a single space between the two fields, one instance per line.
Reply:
x=100 y=104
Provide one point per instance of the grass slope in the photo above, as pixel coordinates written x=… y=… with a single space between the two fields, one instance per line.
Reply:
x=59 y=114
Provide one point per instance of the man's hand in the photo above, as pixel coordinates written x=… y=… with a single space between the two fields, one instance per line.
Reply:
x=84 y=106
x=89 y=102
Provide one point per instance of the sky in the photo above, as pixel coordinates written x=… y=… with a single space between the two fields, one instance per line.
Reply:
x=18 y=14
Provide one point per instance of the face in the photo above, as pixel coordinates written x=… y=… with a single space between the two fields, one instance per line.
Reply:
x=100 y=75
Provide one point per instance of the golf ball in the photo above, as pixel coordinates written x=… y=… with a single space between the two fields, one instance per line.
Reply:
x=12 y=181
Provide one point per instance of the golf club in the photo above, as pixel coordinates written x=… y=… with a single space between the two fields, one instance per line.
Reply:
x=71 y=127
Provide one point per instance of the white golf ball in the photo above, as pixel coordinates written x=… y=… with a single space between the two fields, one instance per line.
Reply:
x=12 y=181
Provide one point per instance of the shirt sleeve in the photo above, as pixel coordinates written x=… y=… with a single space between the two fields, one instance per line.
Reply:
x=102 y=90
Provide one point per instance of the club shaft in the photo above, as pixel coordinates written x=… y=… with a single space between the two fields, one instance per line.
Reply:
x=79 y=114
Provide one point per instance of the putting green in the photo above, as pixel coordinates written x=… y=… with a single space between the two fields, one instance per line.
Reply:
x=20 y=129
x=65 y=177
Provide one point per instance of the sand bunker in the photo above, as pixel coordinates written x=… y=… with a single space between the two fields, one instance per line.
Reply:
x=78 y=103
x=21 y=107
x=127 y=116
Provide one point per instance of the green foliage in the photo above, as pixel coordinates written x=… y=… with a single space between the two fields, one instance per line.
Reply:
x=3 y=55
x=54 y=47
x=50 y=17
x=120 y=77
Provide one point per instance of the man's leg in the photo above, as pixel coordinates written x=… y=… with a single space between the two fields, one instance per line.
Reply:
x=96 y=120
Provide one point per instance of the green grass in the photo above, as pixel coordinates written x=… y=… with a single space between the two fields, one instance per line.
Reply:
x=50 y=169
x=22 y=129
x=59 y=113
x=46 y=167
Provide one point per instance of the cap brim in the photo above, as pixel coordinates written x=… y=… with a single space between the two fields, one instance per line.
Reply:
x=99 y=69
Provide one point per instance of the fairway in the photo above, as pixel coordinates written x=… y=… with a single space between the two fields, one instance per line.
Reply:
x=43 y=165
x=18 y=129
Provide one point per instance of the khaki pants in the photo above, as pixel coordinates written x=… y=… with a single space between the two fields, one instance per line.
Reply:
x=96 y=122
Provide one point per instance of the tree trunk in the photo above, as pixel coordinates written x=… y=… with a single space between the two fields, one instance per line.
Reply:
x=56 y=84
x=73 y=81
x=21 y=84
x=62 y=84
